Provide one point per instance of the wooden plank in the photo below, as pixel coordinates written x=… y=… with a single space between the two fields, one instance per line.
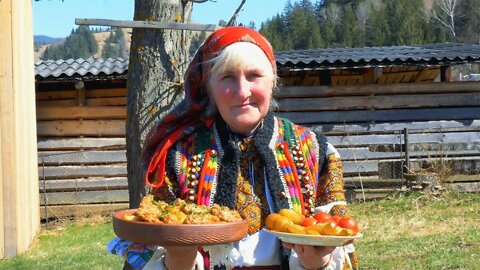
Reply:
x=84 y=197
x=108 y=101
x=372 y=194
x=81 y=128
x=440 y=138
x=378 y=102
x=81 y=112
x=463 y=178
x=464 y=187
x=420 y=126
x=49 y=144
x=19 y=207
x=84 y=184
x=62 y=211
x=398 y=115
x=68 y=172
x=111 y=92
x=367 y=182
x=364 y=153
x=81 y=157
x=376 y=89
x=7 y=135
x=361 y=167
x=148 y=24
x=65 y=103
x=56 y=95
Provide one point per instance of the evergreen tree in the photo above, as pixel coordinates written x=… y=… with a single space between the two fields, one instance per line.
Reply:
x=348 y=27
x=79 y=44
x=468 y=21
x=197 y=41
x=405 y=19
x=377 y=26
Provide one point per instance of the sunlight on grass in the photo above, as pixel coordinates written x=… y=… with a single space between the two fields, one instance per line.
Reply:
x=70 y=245
x=408 y=231
x=419 y=232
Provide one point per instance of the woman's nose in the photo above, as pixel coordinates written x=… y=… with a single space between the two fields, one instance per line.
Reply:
x=243 y=87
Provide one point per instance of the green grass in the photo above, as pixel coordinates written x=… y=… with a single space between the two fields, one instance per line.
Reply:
x=418 y=231
x=70 y=245
x=412 y=231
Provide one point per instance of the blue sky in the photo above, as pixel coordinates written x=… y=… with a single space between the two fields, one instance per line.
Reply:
x=55 y=18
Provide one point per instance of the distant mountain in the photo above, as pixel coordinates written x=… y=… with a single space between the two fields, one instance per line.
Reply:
x=45 y=39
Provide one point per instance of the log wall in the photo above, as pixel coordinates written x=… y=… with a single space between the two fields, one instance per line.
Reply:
x=81 y=150
x=82 y=162
x=367 y=124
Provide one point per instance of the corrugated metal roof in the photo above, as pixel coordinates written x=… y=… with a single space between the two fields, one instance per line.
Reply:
x=430 y=54
x=81 y=67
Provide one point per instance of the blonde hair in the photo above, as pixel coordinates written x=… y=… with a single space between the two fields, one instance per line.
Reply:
x=238 y=55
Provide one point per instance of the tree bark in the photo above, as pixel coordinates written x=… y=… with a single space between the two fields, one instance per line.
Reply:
x=158 y=59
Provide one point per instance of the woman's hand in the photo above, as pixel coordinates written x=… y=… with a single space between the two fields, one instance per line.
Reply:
x=179 y=257
x=311 y=257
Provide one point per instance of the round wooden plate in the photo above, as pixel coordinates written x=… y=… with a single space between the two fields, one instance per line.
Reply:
x=177 y=234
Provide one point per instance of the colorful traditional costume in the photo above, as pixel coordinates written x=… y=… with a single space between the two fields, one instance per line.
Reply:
x=194 y=156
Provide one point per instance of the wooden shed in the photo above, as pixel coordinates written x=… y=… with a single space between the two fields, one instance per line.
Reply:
x=365 y=100
x=19 y=214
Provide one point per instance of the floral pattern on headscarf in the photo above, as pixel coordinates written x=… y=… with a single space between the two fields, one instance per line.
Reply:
x=191 y=113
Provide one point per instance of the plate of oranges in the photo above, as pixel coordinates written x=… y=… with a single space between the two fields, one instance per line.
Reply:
x=320 y=229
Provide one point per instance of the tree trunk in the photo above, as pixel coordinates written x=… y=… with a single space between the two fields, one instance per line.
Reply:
x=158 y=59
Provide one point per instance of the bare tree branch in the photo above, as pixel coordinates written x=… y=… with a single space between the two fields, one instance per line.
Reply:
x=234 y=16
x=447 y=18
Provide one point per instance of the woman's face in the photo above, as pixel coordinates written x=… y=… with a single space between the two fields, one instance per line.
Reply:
x=242 y=90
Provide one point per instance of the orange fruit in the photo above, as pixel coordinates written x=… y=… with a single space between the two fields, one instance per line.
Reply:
x=344 y=232
x=277 y=222
x=295 y=228
x=312 y=231
x=292 y=215
x=329 y=229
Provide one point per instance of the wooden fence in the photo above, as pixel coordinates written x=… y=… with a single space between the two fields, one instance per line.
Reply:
x=367 y=124
x=82 y=162
x=81 y=151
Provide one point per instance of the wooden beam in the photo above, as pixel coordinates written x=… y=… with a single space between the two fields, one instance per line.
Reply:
x=81 y=128
x=76 y=112
x=372 y=116
x=148 y=24
x=376 y=89
x=378 y=102
x=83 y=184
x=81 y=157
x=51 y=144
x=84 y=197
x=413 y=127
x=69 y=172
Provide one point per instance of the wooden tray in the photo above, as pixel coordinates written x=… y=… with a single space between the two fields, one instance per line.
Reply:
x=177 y=234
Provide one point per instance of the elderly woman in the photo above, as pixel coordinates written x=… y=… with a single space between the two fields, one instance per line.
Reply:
x=224 y=145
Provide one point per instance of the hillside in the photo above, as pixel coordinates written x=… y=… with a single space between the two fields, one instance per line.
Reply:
x=100 y=37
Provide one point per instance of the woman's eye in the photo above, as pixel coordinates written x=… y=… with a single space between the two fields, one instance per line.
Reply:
x=226 y=76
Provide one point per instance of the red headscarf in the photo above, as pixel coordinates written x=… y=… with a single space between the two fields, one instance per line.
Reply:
x=190 y=114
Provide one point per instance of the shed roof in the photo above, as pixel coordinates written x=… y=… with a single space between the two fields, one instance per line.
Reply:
x=416 y=55
x=73 y=68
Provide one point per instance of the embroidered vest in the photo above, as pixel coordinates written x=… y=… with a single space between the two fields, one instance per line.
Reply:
x=206 y=164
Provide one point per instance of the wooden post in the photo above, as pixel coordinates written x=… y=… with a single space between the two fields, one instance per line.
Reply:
x=407 y=153
x=19 y=196
x=81 y=96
